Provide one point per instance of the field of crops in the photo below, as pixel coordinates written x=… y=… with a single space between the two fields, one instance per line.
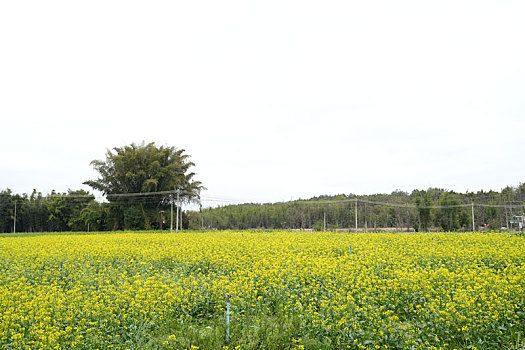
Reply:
x=288 y=291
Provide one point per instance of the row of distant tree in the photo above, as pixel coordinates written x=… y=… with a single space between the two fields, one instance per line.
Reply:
x=140 y=183
x=79 y=211
x=420 y=210
x=431 y=209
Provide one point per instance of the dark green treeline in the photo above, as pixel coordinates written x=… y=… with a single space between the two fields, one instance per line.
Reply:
x=38 y=213
x=79 y=211
x=432 y=209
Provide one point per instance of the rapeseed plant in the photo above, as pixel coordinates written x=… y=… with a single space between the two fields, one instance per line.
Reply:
x=289 y=290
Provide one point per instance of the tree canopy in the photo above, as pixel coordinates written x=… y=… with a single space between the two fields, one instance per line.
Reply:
x=143 y=168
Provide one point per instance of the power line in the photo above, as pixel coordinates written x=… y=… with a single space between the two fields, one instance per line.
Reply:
x=146 y=197
x=140 y=194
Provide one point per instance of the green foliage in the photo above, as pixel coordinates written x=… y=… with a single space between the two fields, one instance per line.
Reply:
x=423 y=202
x=37 y=213
x=6 y=211
x=96 y=216
x=318 y=226
x=419 y=210
x=64 y=210
x=402 y=211
x=449 y=214
x=143 y=168
x=491 y=214
x=133 y=219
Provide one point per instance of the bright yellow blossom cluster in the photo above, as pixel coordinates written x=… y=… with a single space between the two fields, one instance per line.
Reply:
x=295 y=290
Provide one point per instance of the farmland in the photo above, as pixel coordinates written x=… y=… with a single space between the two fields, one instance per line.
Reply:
x=288 y=290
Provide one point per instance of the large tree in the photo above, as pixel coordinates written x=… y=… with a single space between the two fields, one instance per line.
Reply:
x=143 y=168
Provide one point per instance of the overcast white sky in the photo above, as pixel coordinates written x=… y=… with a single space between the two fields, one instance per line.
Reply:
x=272 y=99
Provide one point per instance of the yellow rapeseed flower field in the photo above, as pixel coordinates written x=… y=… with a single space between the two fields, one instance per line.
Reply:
x=288 y=290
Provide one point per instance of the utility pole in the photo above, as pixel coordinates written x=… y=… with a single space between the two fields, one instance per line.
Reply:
x=365 y=217
x=324 y=221
x=14 y=223
x=171 y=217
x=161 y=218
x=506 y=216
x=408 y=217
x=180 y=222
x=473 y=227
x=355 y=214
x=177 y=222
x=202 y=218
